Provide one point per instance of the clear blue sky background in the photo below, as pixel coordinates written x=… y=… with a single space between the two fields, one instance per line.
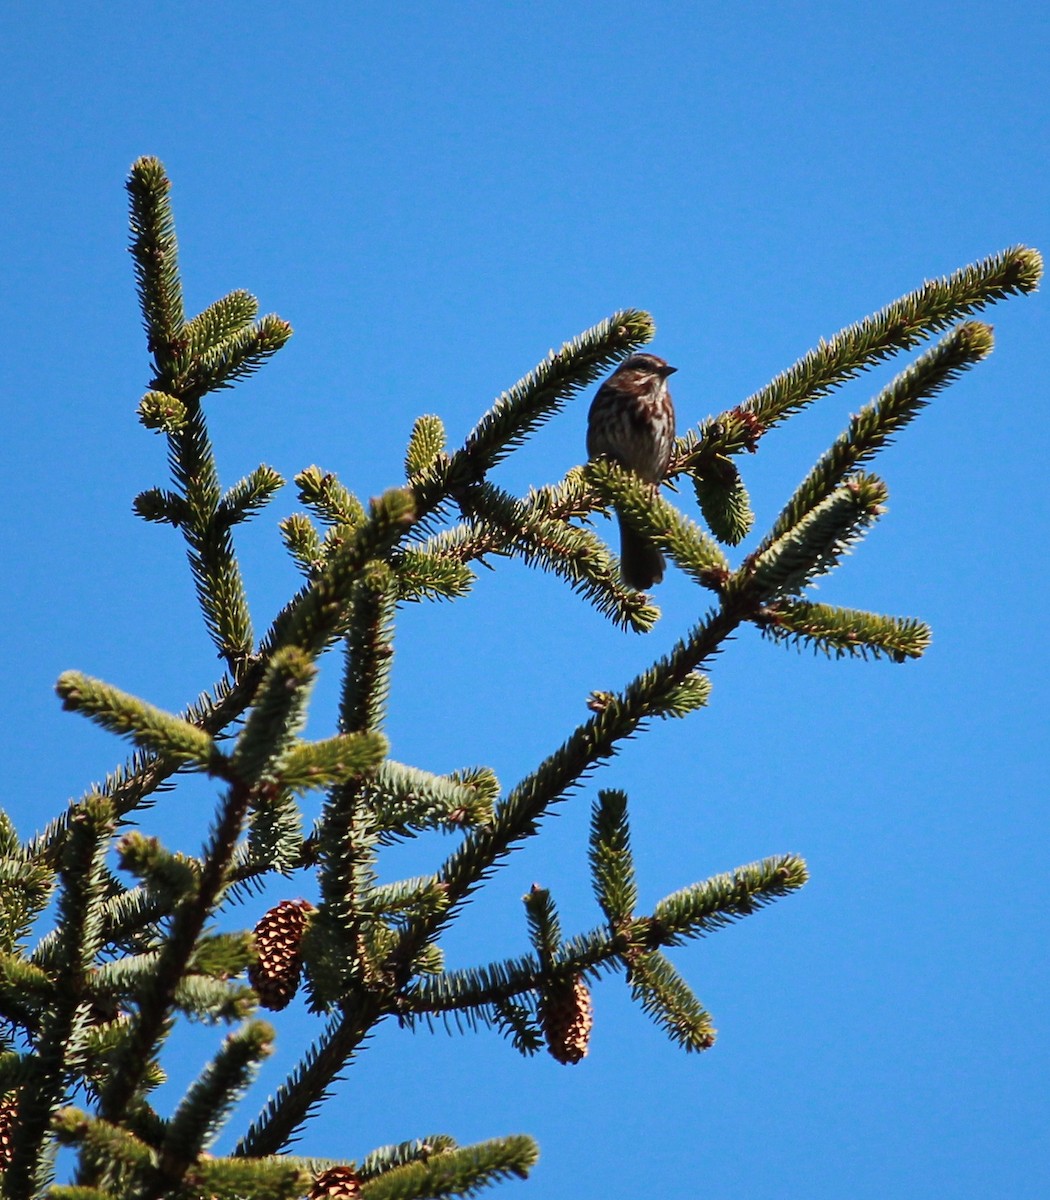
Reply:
x=434 y=195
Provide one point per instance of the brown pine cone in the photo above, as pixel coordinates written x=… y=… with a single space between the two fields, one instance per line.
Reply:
x=278 y=939
x=337 y=1183
x=567 y=1016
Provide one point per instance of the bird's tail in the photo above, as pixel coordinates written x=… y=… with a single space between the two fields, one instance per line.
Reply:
x=641 y=564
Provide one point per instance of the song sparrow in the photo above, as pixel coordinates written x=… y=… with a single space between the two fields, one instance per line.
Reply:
x=632 y=422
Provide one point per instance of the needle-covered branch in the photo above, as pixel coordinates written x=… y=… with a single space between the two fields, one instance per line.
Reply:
x=369 y=650
x=148 y=726
x=320 y=613
x=248 y=496
x=542 y=393
x=424 y=447
x=670 y=530
x=61 y=1044
x=716 y=902
x=210 y=1099
x=276 y=718
x=186 y=927
x=612 y=865
x=820 y=539
x=931 y=308
x=844 y=631
x=227 y=316
x=474 y=996
x=724 y=500
x=155 y=252
x=577 y=555
x=406 y=799
x=875 y=425
x=119 y=1148
x=460 y=1172
x=668 y=999
x=652 y=693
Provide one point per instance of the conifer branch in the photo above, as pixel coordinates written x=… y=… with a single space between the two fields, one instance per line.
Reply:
x=203 y=993
x=544 y=391
x=424 y=447
x=650 y=514
x=276 y=1178
x=237 y=356
x=60 y=1046
x=518 y=816
x=210 y=1099
x=577 y=555
x=612 y=864
x=931 y=308
x=106 y=1142
x=874 y=426
x=148 y=726
x=25 y=888
x=426 y=575
x=277 y=716
x=519 y=1023
x=319 y=613
x=468 y=995
x=187 y=924
x=174 y=875
x=461 y=1172
x=25 y=989
x=819 y=540
x=700 y=909
x=213 y=562
x=422 y=895
x=328 y=499
x=303 y=543
x=723 y=500
x=162 y=412
x=667 y=998
x=405 y=799
x=385 y=1158
x=248 y=496
x=227 y=316
x=155 y=251
x=696 y=911
x=307 y=1085
x=60 y=1191
x=210 y=352
x=160 y=506
x=200 y=998
x=900 y=326
x=127 y=918
x=348 y=833
x=308 y=766
x=369 y=651
x=534 y=399
x=129 y=785
x=544 y=927
x=844 y=631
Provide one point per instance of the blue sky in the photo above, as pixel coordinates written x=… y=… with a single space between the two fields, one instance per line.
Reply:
x=434 y=195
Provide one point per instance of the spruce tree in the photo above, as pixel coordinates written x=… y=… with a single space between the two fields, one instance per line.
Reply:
x=110 y=938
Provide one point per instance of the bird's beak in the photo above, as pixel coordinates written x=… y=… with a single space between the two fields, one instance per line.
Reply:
x=666 y=370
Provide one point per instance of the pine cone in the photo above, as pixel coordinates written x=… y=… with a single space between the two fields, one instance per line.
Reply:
x=278 y=938
x=567 y=1018
x=8 y=1111
x=337 y=1183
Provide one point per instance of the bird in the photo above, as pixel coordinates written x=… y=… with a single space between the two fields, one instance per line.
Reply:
x=631 y=421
